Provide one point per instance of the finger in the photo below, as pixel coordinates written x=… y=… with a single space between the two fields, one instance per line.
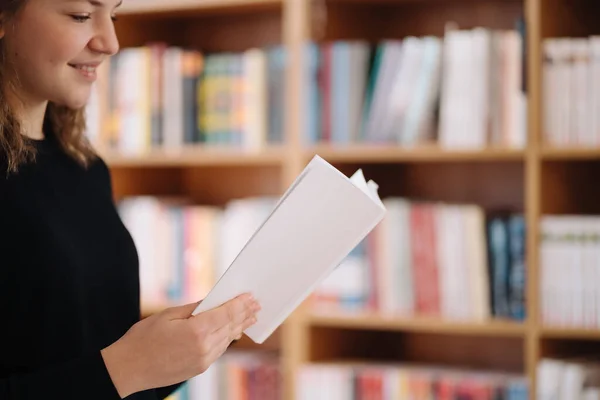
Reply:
x=234 y=330
x=234 y=311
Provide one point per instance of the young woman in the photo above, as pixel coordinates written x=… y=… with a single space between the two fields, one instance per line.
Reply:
x=69 y=289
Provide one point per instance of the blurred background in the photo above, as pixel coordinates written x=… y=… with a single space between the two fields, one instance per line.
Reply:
x=479 y=120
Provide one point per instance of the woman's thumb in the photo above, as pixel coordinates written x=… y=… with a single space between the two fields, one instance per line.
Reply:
x=182 y=312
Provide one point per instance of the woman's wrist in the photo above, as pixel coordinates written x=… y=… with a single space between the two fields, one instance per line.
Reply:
x=120 y=369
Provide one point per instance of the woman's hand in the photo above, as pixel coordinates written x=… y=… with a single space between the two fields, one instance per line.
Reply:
x=173 y=346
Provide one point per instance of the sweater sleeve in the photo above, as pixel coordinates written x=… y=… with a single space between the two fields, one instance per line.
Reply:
x=164 y=392
x=81 y=378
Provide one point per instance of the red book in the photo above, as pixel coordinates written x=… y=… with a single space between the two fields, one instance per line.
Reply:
x=424 y=263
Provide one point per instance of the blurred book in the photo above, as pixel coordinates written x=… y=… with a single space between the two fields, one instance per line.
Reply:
x=571 y=91
x=165 y=97
x=570 y=271
x=433 y=260
x=237 y=375
x=346 y=381
x=568 y=379
x=465 y=90
x=184 y=248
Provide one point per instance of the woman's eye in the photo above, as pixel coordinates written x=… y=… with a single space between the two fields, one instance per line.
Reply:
x=80 y=18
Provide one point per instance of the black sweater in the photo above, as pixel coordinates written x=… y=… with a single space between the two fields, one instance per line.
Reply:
x=69 y=280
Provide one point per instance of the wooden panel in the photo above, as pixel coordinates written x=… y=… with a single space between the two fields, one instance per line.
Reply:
x=133 y=31
x=210 y=33
x=429 y=348
x=236 y=32
x=561 y=348
x=374 y=21
x=570 y=18
x=218 y=185
x=496 y=186
x=570 y=187
x=472 y=352
x=134 y=181
x=210 y=185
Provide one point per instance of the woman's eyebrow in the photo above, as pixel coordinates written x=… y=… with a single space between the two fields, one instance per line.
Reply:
x=97 y=3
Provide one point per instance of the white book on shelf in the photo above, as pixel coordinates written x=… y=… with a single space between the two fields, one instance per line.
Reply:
x=594 y=117
x=588 y=274
x=550 y=93
x=255 y=98
x=580 y=85
x=565 y=104
x=311 y=230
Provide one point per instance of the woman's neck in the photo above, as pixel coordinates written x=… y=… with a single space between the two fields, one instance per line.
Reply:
x=31 y=115
x=33 y=121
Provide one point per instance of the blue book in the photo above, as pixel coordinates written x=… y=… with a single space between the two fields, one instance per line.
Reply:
x=499 y=267
x=517 y=278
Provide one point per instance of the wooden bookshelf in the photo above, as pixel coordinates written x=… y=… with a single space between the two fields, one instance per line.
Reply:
x=197 y=157
x=421 y=154
x=379 y=323
x=570 y=153
x=535 y=180
x=570 y=333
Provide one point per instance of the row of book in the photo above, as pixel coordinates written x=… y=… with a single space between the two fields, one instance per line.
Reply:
x=433 y=260
x=571 y=91
x=237 y=375
x=577 y=379
x=390 y=382
x=464 y=90
x=570 y=271
x=160 y=96
x=184 y=248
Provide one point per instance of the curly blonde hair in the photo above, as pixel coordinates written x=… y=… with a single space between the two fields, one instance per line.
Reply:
x=67 y=125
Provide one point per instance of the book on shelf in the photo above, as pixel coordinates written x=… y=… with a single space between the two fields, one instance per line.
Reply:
x=464 y=90
x=433 y=260
x=571 y=91
x=164 y=97
x=570 y=271
x=344 y=381
x=237 y=375
x=184 y=247
x=577 y=378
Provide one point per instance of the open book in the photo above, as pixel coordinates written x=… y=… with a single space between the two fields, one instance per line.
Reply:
x=318 y=221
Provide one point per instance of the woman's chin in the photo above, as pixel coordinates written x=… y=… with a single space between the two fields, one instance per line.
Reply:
x=74 y=103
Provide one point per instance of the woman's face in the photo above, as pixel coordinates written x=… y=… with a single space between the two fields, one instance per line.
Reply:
x=55 y=47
